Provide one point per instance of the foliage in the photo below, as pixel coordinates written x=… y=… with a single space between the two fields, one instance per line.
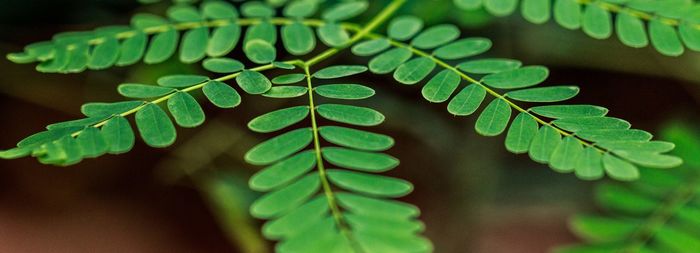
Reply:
x=658 y=213
x=352 y=213
x=670 y=25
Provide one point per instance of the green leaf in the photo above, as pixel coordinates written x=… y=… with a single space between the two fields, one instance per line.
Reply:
x=279 y=147
x=297 y=220
x=221 y=94
x=265 y=31
x=589 y=164
x=255 y=9
x=359 y=160
x=586 y=123
x=602 y=229
x=389 y=60
x=544 y=143
x=92 y=143
x=677 y=239
x=279 y=119
x=467 y=101
x=298 y=38
x=105 y=54
x=102 y=109
x=651 y=160
x=565 y=155
x=155 y=127
x=287 y=198
x=252 y=82
x=132 y=49
x=630 y=30
x=259 y=51
x=132 y=90
x=370 y=47
x=344 y=91
x=376 y=207
x=468 y=4
x=489 y=66
x=690 y=35
x=597 y=135
x=78 y=123
x=286 y=92
x=517 y=78
x=521 y=133
x=544 y=94
x=568 y=13
x=356 y=139
x=665 y=38
x=283 y=172
x=163 y=45
x=118 y=134
x=436 y=36
x=414 y=70
x=339 y=71
x=283 y=65
x=181 y=81
x=194 y=45
x=223 y=40
x=288 y=78
x=222 y=65
x=349 y=114
x=641 y=146
x=219 y=10
x=380 y=186
x=184 y=13
x=404 y=27
x=536 y=11
x=463 y=48
x=185 y=110
x=597 y=22
x=300 y=9
x=441 y=86
x=619 y=169
x=569 y=111
x=494 y=119
x=343 y=11
x=333 y=35
x=500 y=8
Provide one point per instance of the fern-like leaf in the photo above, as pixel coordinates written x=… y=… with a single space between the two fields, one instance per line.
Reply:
x=670 y=26
x=658 y=213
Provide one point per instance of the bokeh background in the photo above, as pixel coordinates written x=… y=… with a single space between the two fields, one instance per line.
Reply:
x=193 y=196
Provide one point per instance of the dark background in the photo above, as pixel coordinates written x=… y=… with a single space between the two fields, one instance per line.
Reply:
x=475 y=196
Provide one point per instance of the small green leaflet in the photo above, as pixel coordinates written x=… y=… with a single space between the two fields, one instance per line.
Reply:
x=630 y=30
x=565 y=155
x=222 y=65
x=521 y=133
x=105 y=54
x=102 y=109
x=255 y=9
x=404 y=27
x=155 y=127
x=375 y=185
x=489 y=66
x=279 y=147
x=132 y=49
x=467 y=101
x=181 y=81
x=568 y=13
x=494 y=119
x=163 y=45
x=598 y=135
x=376 y=207
x=288 y=79
x=300 y=9
x=91 y=143
x=219 y=10
x=500 y=8
x=278 y=119
x=260 y=51
x=597 y=22
x=544 y=143
x=544 y=94
x=354 y=115
x=132 y=90
x=436 y=36
x=343 y=11
x=221 y=94
x=283 y=200
x=389 y=60
x=286 y=92
x=356 y=139
x=536 y=11
x=185 y=110
x=586 y=123
x=414 y=70
x=283 y=172
x=223 y=40
x=194 y=45
x=370 y=47
x=441 y=86
x=569 y=111
x=590 y=164
x=619 y=169
x=344 y=91
x=339 y=71
x=333 y=35
x=118 y=134
x=252 y=82
x=517 y=78
x=359 y=160
x=298 y=38
x=665 y=38
x=463 y=48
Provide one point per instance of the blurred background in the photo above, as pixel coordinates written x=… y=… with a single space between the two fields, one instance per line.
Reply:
x=193 y=196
